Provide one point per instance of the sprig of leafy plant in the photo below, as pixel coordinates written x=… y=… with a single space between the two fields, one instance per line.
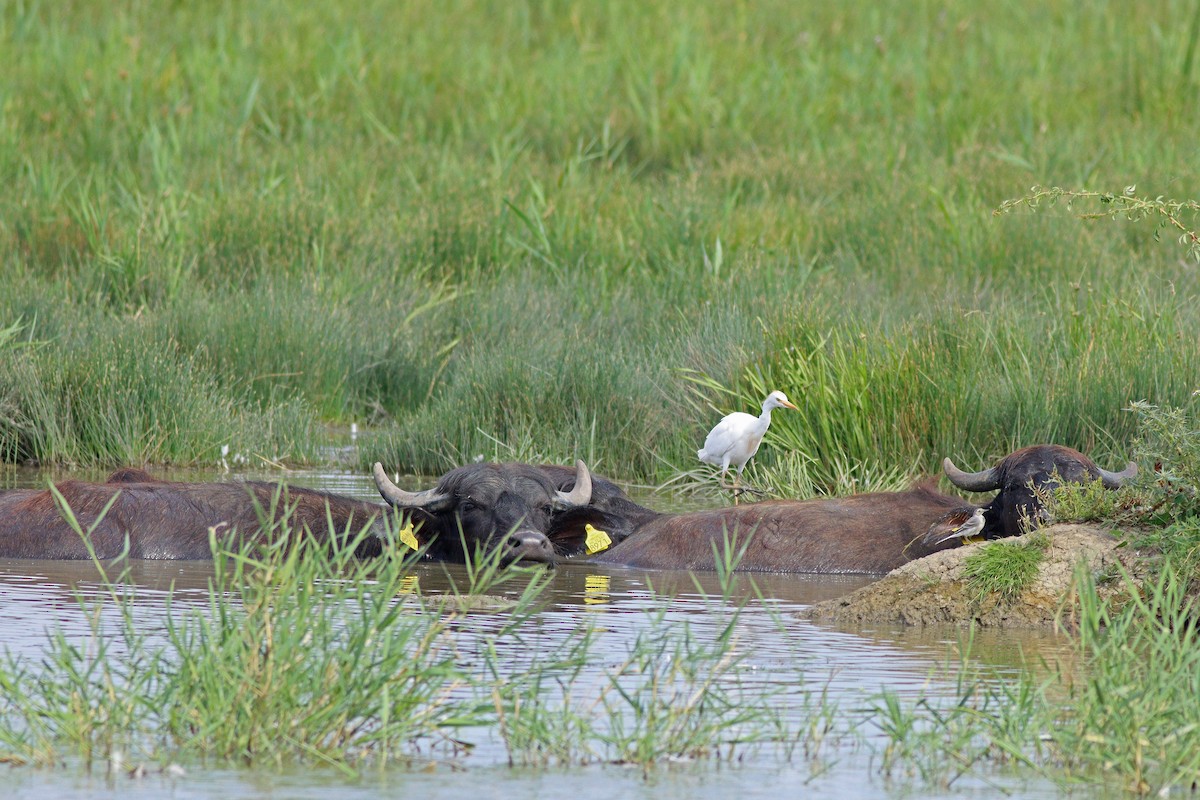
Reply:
x=1127 y=204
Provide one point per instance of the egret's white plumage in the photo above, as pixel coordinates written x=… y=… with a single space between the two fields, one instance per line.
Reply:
x=736 y=438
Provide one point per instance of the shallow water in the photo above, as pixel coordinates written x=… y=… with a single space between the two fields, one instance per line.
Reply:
x=847 y=666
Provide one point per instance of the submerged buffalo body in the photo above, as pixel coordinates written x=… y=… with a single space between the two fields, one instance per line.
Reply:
x=864 y=533
x=867 y=533
x=543 y=514
x=170 y=520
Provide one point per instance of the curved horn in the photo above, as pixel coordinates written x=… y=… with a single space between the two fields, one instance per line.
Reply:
x=1115 y=480
x=430 y=500
x=581 y=495
x=983 y=481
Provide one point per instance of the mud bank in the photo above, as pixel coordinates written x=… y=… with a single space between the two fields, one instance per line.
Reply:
x=935 y=590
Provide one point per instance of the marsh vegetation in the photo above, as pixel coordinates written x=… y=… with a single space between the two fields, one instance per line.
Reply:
x=526 y=231
x=541 y=231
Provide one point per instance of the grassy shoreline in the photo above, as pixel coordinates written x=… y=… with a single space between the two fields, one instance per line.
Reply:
x=519 y=230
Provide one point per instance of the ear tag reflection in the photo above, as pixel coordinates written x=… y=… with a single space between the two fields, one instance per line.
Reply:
x=409 y=584
x=407 y=537
x=973 y=540
x=595 y=590
x=597 y=540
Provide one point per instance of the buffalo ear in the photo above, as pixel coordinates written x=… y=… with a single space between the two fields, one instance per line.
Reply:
x=413 y=528
x=569 y=539
x=568 y=530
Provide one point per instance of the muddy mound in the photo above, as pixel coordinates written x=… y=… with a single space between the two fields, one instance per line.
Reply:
x=935 y=590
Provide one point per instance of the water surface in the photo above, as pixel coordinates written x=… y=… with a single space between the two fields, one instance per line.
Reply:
x=847 y=666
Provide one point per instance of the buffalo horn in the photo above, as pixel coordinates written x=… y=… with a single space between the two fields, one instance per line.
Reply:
x=1115 y=480
x=430 y=500
x=983 y=481
x=581 y=495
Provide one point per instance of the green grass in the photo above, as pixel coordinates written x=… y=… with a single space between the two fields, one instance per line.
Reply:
x=489 y=228
x=1160 y=506
x=1135 y=712
x=541 y=231
x=1004 y=570
x=1121 y=716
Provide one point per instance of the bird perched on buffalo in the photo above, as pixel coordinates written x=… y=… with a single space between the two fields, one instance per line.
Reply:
x=957 y=524
x=736 y=438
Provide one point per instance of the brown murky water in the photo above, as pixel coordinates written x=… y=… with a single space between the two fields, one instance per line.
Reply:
x=849 y=666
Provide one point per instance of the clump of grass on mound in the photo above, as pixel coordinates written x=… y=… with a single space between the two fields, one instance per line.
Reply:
x=1162 y=504
x=1085 y=502
x=1005 y=569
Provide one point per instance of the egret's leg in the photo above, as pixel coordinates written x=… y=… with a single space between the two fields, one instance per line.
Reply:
x=739 y=489
x=721 y=476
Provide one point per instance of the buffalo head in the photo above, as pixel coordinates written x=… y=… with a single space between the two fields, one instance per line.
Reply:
x=487 y=507
x=1041 y=467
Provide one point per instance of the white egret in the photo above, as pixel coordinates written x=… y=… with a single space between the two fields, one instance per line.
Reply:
x=736 y=438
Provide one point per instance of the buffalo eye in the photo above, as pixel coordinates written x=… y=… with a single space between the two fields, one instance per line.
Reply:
x=466 y=505
x=548 y=510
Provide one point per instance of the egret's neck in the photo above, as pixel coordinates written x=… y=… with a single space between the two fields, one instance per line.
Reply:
x=764 y=419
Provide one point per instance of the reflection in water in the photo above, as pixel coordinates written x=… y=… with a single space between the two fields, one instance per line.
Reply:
x=597 y=589
x=779 y=649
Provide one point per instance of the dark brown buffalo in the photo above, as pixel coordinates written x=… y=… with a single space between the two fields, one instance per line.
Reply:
x=863 y=533
x=479 y=507
x=1043 y=466
x=867 y=533
x=509 y=507
x=171 y=520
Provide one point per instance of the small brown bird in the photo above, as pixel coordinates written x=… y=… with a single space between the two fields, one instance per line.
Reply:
x=961 y=524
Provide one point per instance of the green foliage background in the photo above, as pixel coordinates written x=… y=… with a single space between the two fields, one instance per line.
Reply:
x=558 y=229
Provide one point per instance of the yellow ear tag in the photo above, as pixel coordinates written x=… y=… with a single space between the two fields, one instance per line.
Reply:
x=406 y=537
x=597 y=540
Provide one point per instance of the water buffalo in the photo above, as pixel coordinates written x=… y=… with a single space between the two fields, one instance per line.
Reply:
x=1043 y=466
x=506 y=506
x=867 y=533
x=169 y=519
x=864 y=533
